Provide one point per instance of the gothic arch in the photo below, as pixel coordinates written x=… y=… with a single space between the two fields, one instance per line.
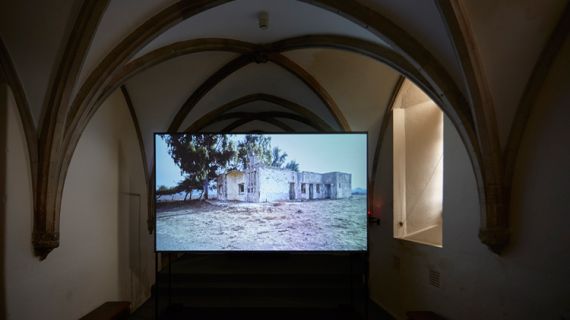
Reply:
x=264 y=116
x=208 y=118
x=240 y=122
x=67 y=120
x=10 y=77
x=472 y=121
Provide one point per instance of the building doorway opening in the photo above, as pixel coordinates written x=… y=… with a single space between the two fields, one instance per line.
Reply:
x=327 y=191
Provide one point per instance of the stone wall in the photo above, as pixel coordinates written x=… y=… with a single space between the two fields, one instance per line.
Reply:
x=252 y=184
x=344 y=184
x=228 y=186
x=340 y=184
x=267 y=184
x=308 y=182
x=275 y=184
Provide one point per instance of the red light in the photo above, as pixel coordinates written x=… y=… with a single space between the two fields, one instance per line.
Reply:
x=369 y=213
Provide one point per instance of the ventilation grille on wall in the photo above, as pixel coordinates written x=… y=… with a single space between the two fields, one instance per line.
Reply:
x=434 y=278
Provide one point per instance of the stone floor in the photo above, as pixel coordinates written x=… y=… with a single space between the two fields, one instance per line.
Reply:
x=147 y=312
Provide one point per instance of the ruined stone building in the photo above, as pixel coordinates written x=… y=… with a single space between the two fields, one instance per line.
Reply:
x=261 y=183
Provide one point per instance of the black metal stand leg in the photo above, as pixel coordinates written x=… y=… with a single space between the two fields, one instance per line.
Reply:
x=156 y=285
x=350 y=281
x=169 y=280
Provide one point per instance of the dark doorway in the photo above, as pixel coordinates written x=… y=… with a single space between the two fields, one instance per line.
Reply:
x=311 y=191
x=291 y=191
x=327 y=191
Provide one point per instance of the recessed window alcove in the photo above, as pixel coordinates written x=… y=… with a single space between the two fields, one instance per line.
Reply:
x=418 y=167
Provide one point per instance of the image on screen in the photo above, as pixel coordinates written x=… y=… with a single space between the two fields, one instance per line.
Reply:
x=261 y=192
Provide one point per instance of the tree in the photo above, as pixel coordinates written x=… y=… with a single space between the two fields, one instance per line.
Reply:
x=278 y=158
x=256 y=145
x=200 y=157
x=292 y=165
x=161 y=189
x=165 y=191
x=187 y=185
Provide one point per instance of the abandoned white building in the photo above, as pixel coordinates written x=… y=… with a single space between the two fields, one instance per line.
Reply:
x=261 y=183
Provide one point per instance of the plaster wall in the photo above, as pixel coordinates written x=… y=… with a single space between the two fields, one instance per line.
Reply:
x=424 y=166
x=344 y=184
x=510 y=36
x=101 y=257
x=310 y=180
x=231 y=183
x=529 y=280
x=274 y=184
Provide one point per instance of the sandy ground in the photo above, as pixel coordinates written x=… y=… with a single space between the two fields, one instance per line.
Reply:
x=296 y=226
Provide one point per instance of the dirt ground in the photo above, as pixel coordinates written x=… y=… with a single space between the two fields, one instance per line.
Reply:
x=294 y=226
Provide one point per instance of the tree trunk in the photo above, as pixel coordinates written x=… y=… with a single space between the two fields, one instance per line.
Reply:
x=205 y=189
x=186 y=195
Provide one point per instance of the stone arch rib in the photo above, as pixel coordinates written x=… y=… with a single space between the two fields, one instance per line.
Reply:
x=205 y=87
x=491 y=187
x=83 y=109
x=417 y=63
x=381 y=133
x=208 y=118
x=478 y=136
x=238 y=123
x=51 y=173
x=263 y=116
x=314 y=85
x=259 y=56
x=134 y=118
x=392 y=59
x=9 y=75
x=134 y=42
x=339 y=42
x=531 y=93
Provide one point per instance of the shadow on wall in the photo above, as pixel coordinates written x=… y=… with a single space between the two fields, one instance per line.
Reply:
x=3 y=152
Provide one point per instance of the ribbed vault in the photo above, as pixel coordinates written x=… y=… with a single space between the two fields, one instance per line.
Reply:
x=92 y=66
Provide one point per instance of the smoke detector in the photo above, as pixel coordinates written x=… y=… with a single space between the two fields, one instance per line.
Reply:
x=263 y=20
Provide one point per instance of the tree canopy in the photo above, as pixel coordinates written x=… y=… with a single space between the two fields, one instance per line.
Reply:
x=278 y=158
x=200 y=157
x=257 y=145
x=292 y=165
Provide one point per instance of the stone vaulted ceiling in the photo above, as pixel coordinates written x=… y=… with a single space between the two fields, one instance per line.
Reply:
x=320 y=66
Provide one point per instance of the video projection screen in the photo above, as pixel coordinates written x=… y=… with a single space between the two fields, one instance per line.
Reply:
x=261 y=192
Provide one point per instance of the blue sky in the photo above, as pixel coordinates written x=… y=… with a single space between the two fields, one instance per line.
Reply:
x=314 y=152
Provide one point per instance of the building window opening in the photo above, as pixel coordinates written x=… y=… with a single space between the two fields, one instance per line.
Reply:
x=303 y=188
x=418 y=167
x=318 y=188
x=241 y=188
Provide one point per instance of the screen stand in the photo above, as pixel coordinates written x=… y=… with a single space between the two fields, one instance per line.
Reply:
x=157 y=290
x=156 y=285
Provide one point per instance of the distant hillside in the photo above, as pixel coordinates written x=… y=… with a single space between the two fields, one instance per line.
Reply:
x=358 y=191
